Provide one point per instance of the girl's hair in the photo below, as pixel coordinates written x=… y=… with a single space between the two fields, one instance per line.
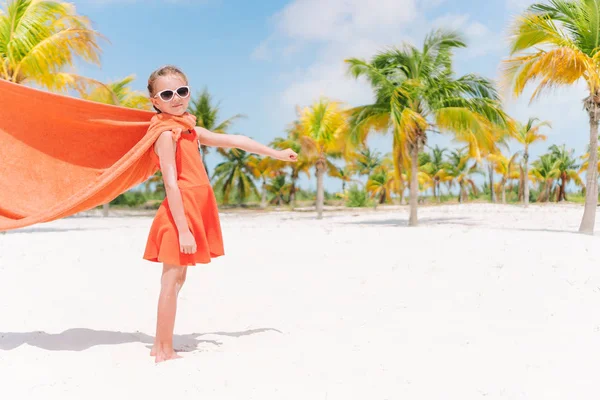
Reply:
x=164 y=71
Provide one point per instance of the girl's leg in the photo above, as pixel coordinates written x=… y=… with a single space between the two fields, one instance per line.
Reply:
x=173 y=277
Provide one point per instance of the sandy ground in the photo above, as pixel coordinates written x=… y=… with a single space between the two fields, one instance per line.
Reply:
x=479 y=302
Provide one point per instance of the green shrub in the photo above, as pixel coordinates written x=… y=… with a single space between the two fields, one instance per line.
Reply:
x=357 y=197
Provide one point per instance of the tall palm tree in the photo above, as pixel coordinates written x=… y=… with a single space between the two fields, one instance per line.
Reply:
x=555 y=44
x=39 y=39
x=323 y=128
x=236 y=172
x=462 y=172
x=207 y=116
x=527 y=135
x=118 y=93
x=565 y=167
x=416 y=92
x=507 y=169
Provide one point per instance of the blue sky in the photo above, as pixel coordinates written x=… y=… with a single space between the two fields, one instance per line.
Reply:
x=264 y=58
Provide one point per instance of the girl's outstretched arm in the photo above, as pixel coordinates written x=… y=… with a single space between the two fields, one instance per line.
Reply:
x=242 y=142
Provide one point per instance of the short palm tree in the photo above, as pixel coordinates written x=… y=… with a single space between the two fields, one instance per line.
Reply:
x=265 y=168
x=586 y=160
x=462 y=171
x=207 y=116
x=566 y=168
x=279 y=188
x=507 y=168
x=438 y=169
x=366 y=161
x=416 y=92
x=381 y=185
x=527 y=135
x=39 y=39
x=323 y=128
x=557 y=43
x=119 y=93
x=302 y=166
x=543 y=170
x=236 y=172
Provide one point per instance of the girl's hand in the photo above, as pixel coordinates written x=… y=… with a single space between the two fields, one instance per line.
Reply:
x=287 y=155
x=187 y=243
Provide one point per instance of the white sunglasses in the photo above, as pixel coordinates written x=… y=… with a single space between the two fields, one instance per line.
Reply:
x=168 y=94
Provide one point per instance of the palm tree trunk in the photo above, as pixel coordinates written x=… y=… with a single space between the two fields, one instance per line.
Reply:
x=414 y=184
x=503 y=192
x=320 y=189
x=293 y=194
x=263 y=200
x=105 y=209
x=491 y=174
x=526 y=178
x=591 y=194
x=563 y=186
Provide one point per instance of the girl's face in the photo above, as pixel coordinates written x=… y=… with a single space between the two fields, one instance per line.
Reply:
x=179 y=96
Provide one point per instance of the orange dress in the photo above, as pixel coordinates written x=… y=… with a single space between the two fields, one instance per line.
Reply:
x=200 y=208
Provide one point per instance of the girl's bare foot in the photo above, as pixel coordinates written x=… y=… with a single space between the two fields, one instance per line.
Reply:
x=163 y=355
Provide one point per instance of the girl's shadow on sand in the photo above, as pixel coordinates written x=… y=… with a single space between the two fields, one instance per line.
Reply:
x=79 y=339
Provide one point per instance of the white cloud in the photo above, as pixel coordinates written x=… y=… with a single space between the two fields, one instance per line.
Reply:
x=340 y=20
x=338 y=29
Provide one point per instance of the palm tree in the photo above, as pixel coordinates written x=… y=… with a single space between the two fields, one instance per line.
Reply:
x=381 y=184
x=302 y=166
x=586 y=160
x=265 y=168
x=366 y=161
x=279 y=188
x=507 y=170
x=565 y=167
x=543 y=170
x=345 y=174
x=462 y=171
x=207 y=116
x=416 y=92
x=437 y=168
x=323 y=127
x=527 y=135
x=558 y=44
x=236 y=172
x=118 y=93
x=38 y=39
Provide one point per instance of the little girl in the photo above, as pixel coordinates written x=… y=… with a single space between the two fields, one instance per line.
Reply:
x=186 y=229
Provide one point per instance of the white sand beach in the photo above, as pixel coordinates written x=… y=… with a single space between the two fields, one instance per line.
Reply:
x=480 y=302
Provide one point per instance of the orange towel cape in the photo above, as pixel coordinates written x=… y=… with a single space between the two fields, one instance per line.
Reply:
x=60 y=155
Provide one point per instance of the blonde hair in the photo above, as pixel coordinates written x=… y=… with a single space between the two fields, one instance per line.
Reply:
x=164 y=71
